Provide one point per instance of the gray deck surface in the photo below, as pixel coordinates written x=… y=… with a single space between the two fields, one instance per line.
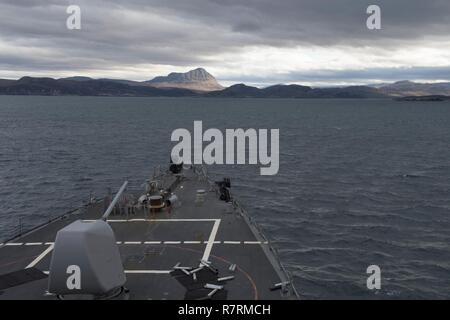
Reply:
x=150 y=245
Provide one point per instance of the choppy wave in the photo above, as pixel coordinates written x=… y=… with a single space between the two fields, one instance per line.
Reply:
x=353 y=190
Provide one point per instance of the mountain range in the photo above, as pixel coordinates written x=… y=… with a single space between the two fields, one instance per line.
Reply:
x=200 y=83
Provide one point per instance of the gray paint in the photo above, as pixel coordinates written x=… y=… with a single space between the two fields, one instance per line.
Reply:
x=92 y=247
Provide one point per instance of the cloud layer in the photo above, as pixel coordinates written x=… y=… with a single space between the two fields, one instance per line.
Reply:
x=256 y=41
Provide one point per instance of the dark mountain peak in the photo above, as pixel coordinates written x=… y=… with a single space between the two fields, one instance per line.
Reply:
x=289 y=91
x=241 y=88
x=280 y=85
x=35 y=80
x=404 y=81
x=28 y=78
x=240 y=85
x=238 y=90
x=77 y=78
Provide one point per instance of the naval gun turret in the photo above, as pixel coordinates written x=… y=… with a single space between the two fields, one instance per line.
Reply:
x=86 y=259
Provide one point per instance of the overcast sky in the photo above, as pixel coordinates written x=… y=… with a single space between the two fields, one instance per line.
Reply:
x=259 y=42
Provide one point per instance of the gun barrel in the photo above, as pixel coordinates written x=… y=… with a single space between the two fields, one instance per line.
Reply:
x=113 y=203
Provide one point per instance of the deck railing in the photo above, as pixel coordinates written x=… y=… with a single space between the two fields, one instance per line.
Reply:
x=202 y=173
x=21 y=228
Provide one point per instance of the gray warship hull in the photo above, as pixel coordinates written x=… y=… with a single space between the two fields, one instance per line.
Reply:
x=160 y=249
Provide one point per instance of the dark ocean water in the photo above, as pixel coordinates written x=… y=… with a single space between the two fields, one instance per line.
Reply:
x=361 y=182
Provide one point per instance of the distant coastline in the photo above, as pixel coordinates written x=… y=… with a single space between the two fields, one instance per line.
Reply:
x=200 y=83
x=424 y=98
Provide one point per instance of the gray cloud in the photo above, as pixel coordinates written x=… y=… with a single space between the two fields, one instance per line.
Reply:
x=119 y=33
